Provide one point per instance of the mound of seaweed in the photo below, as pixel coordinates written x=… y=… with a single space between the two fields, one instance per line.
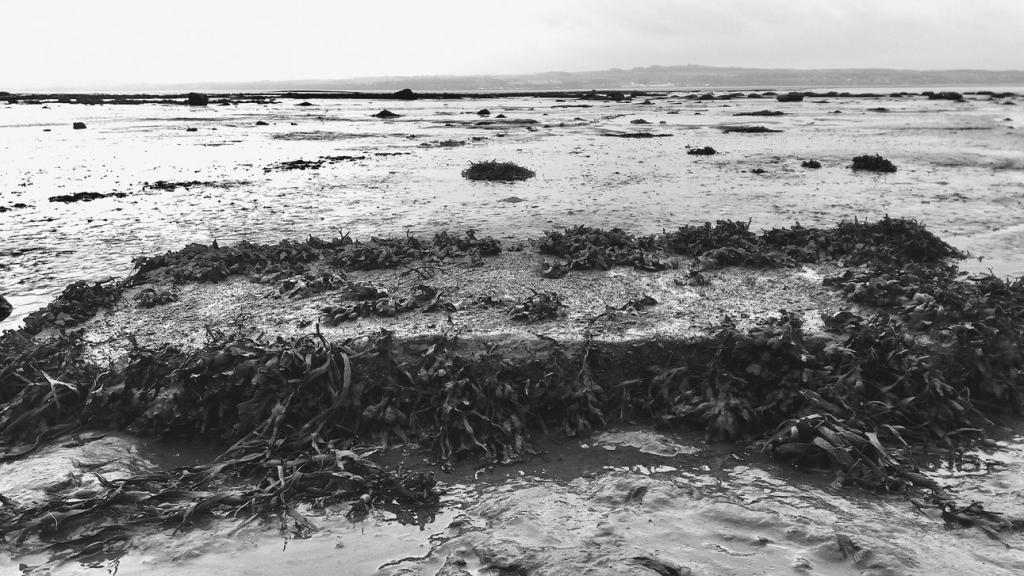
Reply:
x=873 y=163
x=761 y=113
x=495 y=171
x=77 y=303
x=732 y=243
x=271 y=262
x=588 y=248
x=747 y=129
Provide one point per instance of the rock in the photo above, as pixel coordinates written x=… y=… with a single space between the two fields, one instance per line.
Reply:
x=484 y=112
x=197 y=99
x=639 y=121
x=405 y=94
x=873 y=164
x=705 y=151
x=5 y=308
x=386 y=114
x=191 y=129
x=303 y=103
x=954 y=96
x=811 y=164
x=790 y=97
x=261 y=123
x=78 y=125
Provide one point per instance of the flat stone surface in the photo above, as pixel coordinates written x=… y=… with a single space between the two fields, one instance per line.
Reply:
x=593 y=302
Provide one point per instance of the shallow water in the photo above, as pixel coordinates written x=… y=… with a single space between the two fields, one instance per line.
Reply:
x=595 y=506
x=961 y=172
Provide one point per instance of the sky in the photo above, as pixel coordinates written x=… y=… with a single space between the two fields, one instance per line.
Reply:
x=107 y=43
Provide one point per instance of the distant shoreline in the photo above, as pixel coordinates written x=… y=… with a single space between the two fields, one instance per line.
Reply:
x=603 y=94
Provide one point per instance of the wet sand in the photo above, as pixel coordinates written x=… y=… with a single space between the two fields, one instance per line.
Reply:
x=961 y=172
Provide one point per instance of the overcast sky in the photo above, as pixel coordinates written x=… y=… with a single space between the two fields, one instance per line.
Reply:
x=92 y=43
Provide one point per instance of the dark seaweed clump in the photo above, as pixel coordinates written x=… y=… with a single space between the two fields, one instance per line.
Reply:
x=587 y=248
x=636 y=135
x=732 y=243
x=873 y=164
x=310 y=164
x=748 y=129
x=761 y=113
x=288 y=258
x=85 y=197
x=77 y=303
x=492 y=170
x=536 y=307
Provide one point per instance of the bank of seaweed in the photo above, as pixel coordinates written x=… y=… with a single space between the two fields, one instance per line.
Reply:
x=932 y=364
x=732 y=243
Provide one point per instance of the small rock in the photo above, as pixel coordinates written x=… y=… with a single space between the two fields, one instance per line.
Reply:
x=483 y=112
x=261 y=123
x=811 y=164
x=197 y=99
x=386 y=114
x=5 y=308
x=78 y=125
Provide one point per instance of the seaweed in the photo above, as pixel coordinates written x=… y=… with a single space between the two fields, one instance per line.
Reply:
x=79 y=302
x=636 y=135
x=761 y=113
x=588 y=248
x=873 y=164
x=151 y=296
x=85 y=197
x=492 y=170
x=747 y=129
x=310 y=164
x=536 y=307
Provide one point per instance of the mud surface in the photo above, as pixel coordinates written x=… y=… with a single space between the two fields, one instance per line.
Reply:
x=961 y=172
x=601 y=505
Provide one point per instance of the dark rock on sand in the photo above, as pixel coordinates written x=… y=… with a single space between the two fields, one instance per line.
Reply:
x=78 y=125
x=790 y=97
x=261 y=123
x=386 y=114
x=811 y=164
x=405 y=94
x=636 y=135
x=303 y=103
x=747 y=129
x=954 y=96
x=190 y=129
x=761 y=113
x=197 y=99
x=5 y=308
x=705 y=151
x=639 y=121
x=483 y=112
x=873 y=164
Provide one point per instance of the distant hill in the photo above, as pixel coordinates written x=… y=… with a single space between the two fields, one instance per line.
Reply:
x=650 y=77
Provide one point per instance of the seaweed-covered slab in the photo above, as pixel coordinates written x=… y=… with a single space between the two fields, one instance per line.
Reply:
x=471 y=296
